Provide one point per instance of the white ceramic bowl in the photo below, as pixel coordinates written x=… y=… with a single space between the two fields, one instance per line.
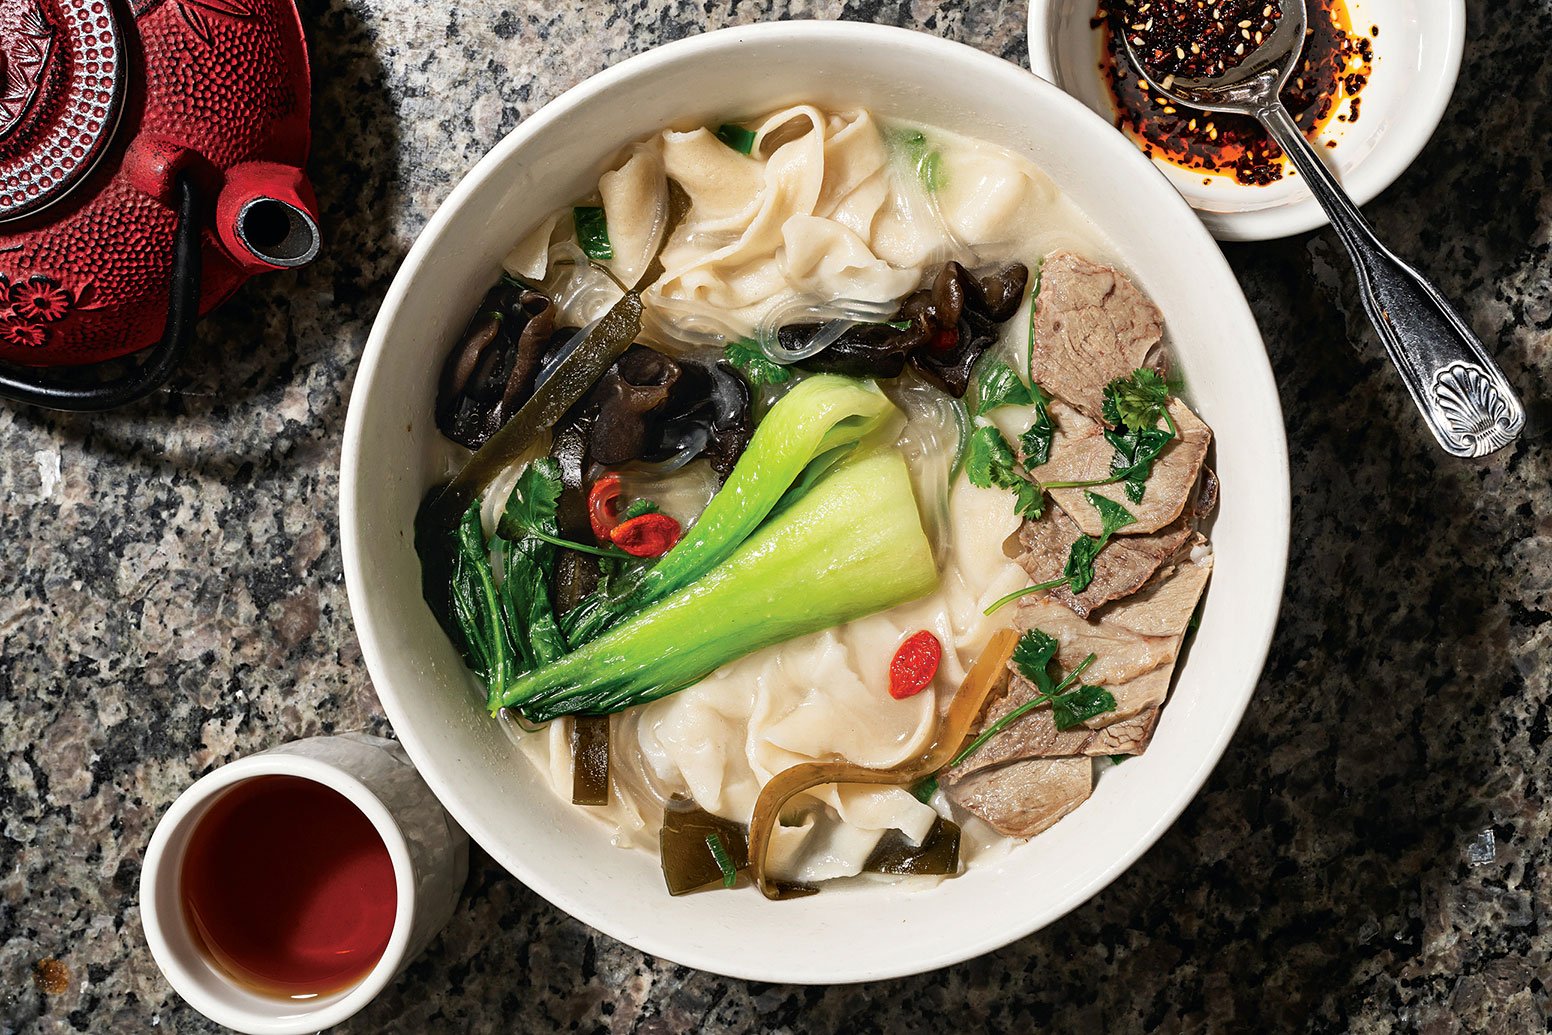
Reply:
x=1416 y=61
x=388 y=463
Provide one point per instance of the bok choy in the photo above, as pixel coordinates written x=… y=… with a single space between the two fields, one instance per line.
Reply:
x=820 y=415
x=851 y=546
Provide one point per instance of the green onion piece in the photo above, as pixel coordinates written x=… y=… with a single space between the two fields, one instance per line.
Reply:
x=593 y=232
x=724 y=861
x=736 y=137
x=924 y=791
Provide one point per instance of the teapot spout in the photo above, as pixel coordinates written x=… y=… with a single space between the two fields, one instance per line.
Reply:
x=267 y=217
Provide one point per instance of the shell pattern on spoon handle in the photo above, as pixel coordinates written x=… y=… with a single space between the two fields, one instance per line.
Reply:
x=1467 y=402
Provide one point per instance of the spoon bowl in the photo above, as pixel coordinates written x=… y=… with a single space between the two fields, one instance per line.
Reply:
x=1250 y=85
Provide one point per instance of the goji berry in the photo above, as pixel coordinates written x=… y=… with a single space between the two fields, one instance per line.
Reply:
x=914 y=665
x=650 y=535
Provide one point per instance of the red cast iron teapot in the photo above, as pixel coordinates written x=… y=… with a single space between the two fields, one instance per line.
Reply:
x=151 y=161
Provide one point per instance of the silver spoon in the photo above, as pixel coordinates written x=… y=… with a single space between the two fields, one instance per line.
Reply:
x=1465 y=399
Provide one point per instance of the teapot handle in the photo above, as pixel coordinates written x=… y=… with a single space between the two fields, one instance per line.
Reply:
x=162 y=358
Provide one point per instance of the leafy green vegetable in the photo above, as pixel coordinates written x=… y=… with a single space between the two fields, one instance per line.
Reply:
x=1029 y=500
x=989 y=462
x=754 y=365
x=821 y=413
x=1133 y=406
x=1079 y=706
x=1036 y=440
x=1112 y=516
x=641 y=506
x=997 y=385
x=525 y=602
x=851 y=547
x=724 y=861
x=593 y=232
x=1032 y=657
x=1137 y=402
x=476 y=606
x=1079 y=570
x=736 y=137
x=534 y=499
x=1135 y=452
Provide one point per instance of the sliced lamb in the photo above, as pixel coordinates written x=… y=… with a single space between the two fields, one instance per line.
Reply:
x=1024 y=798
x=1121 y=568
x=1091 y=326
x=1135 y=642
x=1080 y=453
x=1036 y=736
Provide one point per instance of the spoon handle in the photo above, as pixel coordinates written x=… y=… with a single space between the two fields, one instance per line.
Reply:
x=1465 y=399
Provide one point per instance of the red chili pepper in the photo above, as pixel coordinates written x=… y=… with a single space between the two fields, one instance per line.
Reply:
x=603 y=506
x=650 y=535
x=945 y=339
x=914 y=665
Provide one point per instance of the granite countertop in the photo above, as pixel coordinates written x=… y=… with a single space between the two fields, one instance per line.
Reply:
x=1372 y=853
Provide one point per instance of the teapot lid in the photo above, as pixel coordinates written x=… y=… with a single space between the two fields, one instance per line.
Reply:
x=61 y=87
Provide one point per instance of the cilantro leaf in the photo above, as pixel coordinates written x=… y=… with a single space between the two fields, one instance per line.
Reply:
x=1112 y=516
x=989 y=460
x=1079 y=569
x=997 y=385
x=1078 y=706
x=531 y=507
x=1137 y=402
x=754 y=365
x=1037 y=439
x=1029 y=500
x=1032 y=656
x=926 y=161
x=1135 y=452
x=930 y=169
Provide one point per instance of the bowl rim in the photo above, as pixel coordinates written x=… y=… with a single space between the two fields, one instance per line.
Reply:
x=366 y=621
x=1368 y=179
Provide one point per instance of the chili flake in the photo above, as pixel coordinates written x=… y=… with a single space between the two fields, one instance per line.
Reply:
x=1203 y=38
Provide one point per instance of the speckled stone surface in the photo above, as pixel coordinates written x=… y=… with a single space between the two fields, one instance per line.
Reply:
x=1372 y=853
